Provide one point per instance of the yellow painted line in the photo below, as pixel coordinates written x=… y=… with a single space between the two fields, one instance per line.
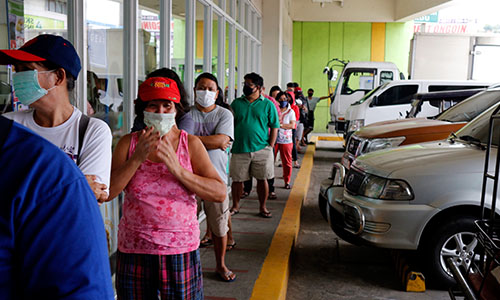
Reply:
x=378 y=42
x=272 y=282
x=329 y=138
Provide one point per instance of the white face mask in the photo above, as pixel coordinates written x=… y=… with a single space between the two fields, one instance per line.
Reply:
x=205 y=98
x=161 y=122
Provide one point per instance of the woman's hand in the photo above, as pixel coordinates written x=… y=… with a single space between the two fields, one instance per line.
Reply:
x=147 y=143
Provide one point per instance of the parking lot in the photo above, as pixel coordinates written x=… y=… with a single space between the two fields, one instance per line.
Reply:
x=326 y=267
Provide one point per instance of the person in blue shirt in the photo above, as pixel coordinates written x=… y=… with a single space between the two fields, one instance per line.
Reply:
x=52 y=238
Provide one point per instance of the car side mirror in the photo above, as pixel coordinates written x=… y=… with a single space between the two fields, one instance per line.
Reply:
x=335 y=74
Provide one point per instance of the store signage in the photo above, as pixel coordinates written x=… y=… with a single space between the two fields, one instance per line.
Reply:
x=16 y=23
x=429 y=18
x=441 y=28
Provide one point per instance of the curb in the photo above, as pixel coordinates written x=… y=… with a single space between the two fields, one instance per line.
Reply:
x=272 y=282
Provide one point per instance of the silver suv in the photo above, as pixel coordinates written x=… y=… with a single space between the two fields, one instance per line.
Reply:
x=421 y=197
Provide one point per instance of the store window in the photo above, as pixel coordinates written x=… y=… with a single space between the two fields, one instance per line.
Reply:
x=5 y=97
x=199 y=40
x=105 y=63
x=57 y=6
x=149 y=37
x=179 y=37
x=236 y=69
x=23 y=21
x=215 y=43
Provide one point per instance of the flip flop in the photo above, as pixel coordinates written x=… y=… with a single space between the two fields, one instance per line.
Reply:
x=272 y=196
x=230 y=247
x=205 y=242
x=233 y=212
x=266 y=214
x=226 y=277
x=287 y=186
x=245 y=194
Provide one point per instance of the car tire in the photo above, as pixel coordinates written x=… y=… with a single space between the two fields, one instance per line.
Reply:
x=323 y=206
x=453 y=237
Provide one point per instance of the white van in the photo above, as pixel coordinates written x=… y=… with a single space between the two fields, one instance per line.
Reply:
x=392 y=101
x=357 y=79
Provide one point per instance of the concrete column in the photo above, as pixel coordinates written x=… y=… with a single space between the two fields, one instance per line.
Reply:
x=272 y=41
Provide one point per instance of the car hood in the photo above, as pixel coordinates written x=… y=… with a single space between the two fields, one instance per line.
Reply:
x=405 y=127
x=433 y=158
x=392 y=122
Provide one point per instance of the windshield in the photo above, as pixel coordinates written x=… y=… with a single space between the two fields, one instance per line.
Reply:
x=356 y=79
x=369 y=94
x=472 y=107
x=477 y=130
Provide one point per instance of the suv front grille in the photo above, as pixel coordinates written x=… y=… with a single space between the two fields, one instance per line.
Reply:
x=353 y=145
x=353 y=180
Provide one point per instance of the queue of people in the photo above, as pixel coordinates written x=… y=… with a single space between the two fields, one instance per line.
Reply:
x=175 y=158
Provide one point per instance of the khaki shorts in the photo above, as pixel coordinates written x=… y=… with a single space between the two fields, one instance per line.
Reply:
x=217 y=216
x=259 y=164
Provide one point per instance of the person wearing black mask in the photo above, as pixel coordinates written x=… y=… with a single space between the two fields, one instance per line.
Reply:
x=312 y=106
x=256 y=126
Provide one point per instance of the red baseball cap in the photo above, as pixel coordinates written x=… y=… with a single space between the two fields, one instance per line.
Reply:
x=159 y=88
x=298 y=89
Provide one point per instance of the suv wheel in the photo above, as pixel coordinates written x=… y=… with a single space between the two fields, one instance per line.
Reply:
x=452 y=238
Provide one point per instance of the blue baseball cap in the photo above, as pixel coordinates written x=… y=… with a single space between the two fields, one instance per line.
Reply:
x=45 y=47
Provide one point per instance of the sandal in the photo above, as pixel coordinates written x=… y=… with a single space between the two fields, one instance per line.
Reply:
x=245 y=194
x=228 y=276
x=266 y=214
x=233 y=211
x=230 y=247
x=287 y=186
x=272 y=196
x=205 y=242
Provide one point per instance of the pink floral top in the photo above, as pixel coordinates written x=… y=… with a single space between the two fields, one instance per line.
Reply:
x=159 y=213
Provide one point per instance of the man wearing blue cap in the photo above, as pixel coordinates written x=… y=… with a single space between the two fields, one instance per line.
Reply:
x=46 y=68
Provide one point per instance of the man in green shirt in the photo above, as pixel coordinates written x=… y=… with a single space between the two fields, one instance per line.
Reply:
x=256 y=126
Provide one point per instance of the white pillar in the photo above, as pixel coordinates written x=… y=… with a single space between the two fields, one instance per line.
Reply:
x=272 y=41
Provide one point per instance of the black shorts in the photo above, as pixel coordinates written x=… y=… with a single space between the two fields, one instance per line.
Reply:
x=310 y=119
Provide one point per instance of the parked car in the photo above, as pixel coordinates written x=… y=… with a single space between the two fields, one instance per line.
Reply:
x=421 y=197
x=389 y=134
x=392 y=101
x=395 y=133
x=356 y=79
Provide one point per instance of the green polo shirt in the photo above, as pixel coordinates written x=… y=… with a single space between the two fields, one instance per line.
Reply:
x=251 y=124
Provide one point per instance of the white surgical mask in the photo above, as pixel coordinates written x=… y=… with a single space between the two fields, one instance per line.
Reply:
x=205 y=98
x=161 y=122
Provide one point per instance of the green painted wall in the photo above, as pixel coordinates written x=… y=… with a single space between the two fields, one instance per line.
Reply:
x=179 y=39
x=395 y=50
x=315 y=43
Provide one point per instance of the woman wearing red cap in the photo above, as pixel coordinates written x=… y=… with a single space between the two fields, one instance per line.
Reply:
x=161 y=169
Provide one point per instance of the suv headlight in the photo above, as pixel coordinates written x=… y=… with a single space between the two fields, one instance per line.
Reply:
x=397 y=190
x=379 y=144
x=372 y=186
x=355 y=125
x=385 y=189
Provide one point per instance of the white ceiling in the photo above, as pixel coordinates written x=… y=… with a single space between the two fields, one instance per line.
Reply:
x=338 y=10
x=364 y=10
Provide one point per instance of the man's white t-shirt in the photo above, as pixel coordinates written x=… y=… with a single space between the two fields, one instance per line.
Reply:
x=95 y=158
